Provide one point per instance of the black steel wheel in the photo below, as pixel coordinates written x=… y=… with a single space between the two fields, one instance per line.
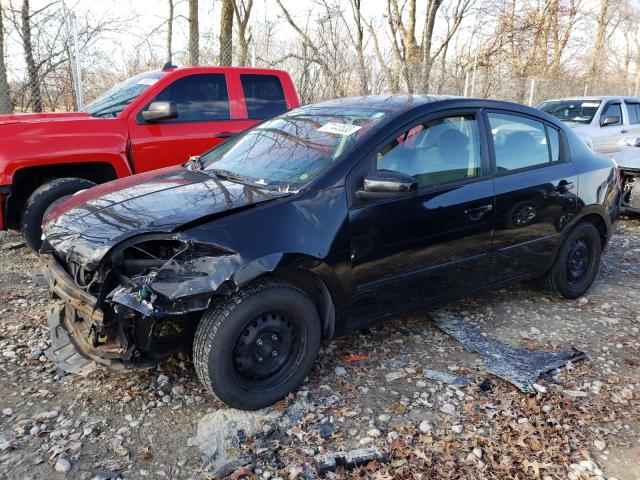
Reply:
x=253 y=348
x=576 y=264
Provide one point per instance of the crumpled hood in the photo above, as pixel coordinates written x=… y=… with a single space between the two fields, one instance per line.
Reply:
x=629 y=158
x=41 y=117
x=88 y=225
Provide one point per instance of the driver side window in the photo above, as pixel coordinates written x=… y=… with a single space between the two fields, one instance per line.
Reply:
x=436 y=152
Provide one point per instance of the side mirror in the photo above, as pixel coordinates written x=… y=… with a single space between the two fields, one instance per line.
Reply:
x=634 y=142
x=387 y=184
x=158 y=111
x=610 y=120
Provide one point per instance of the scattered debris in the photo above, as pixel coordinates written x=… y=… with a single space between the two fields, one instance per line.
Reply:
x=516 y=365
x=354 y=458
x=453 y=380
x=12 y=245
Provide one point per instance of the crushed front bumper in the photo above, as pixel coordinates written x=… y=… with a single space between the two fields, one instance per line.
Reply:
x=78 y=330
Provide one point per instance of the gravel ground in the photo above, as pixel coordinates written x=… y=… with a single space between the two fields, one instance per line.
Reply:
x=367 y=390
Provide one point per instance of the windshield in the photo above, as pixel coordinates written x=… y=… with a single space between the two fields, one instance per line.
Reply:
x=287 y=151
x=580 y=111
x=116 y=100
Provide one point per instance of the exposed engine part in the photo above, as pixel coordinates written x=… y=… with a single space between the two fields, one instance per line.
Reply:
x=631 y=189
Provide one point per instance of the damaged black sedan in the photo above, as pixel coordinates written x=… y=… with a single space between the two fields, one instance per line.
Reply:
x=315 y=223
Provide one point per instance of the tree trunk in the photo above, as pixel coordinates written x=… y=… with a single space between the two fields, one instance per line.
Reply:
x=5 y=96
x=170 y=32
x=359 y=44
x=32 y=69
x=601 y=33
x=226 y=33
x=194 y=33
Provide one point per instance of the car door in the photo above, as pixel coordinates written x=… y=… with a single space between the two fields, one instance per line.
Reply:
x=207 y=115
x=535 y=186
x=411 y=251
x=633 y=128
x=609 y=139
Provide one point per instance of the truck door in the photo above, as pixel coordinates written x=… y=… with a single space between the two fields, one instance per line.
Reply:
x=611 y=138
x=208 y=113
x=633 y=110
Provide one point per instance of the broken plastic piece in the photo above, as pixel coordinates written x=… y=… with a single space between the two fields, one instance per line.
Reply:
x=516 y=365
x=351 y=459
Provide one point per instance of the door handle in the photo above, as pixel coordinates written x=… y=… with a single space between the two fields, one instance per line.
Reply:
x=224 y=135
x=478 y=212
x=624 y=131
x=563 y=185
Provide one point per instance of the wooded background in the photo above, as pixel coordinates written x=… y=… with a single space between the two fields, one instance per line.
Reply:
x=519 y=50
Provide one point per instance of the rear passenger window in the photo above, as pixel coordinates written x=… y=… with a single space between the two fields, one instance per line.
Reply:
x=634 y=113
x=264 y=96
x=521 y=142
x=199 y=98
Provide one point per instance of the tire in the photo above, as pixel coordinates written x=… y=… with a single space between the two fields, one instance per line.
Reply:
x=235 y=341
x=576 y=264
x=39 y=202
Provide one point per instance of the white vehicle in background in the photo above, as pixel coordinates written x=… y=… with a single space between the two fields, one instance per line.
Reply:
x=606 y=124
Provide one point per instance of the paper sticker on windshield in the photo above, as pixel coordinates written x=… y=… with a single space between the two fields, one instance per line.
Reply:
x=590 y=104
x=339 y=128
x=147 y=81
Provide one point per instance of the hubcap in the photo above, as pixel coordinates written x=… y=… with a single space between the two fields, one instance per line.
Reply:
x=578 y=260
x=264 y=346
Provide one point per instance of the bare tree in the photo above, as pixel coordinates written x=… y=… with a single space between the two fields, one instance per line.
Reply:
x=170 y=31
x=242 y=10
x=5 y=97
x=32 y=68
x=226 y=32
x=194 y=33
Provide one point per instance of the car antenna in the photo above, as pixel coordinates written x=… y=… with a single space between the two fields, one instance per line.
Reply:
x=168 y=66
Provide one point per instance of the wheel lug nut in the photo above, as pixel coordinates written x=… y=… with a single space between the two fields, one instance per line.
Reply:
x=259 y=342
x=274 y=338
x=260 y=359
x=274 y=353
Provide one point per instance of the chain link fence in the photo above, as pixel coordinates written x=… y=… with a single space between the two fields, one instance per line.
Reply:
x=75 y=78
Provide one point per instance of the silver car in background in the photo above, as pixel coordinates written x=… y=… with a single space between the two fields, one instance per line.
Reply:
x=606 y=124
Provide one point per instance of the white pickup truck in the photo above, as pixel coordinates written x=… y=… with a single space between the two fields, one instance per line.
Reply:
x=606 y=124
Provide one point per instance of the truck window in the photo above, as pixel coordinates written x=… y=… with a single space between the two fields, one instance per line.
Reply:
x=199 y=98
x=264 y=96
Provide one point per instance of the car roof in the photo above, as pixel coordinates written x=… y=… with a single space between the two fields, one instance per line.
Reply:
x=593 y=98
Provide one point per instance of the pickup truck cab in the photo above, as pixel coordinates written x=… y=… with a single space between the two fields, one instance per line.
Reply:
x=606 y=124
x=153 y=120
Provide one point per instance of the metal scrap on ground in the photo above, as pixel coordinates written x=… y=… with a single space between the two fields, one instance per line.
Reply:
x=454 y=380
x=516 y=365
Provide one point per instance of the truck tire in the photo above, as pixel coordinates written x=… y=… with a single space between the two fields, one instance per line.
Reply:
x=576 y=264
x=40 y=201
x=257 y=345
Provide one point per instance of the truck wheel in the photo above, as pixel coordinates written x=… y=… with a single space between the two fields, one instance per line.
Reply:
x=576 y=264
x=254 y=347
x=40 y=200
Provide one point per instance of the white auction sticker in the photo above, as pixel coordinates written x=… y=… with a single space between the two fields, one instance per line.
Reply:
x=590 y=104
x=339 y=128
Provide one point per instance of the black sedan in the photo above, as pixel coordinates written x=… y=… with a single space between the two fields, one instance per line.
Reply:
x=315 y=223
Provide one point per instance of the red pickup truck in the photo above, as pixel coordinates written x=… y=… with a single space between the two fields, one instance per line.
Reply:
x=152 y=120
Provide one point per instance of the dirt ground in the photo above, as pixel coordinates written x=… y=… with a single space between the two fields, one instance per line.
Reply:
x=366 y=390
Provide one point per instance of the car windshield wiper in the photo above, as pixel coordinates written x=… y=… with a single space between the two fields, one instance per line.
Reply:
x=234 y=177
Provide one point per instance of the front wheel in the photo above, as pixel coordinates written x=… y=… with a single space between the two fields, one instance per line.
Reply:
x=42 y=201
x=576 y=264
x=254 y=347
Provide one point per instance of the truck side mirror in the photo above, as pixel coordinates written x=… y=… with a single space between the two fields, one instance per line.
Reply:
x=610 y=120
x=158 y=111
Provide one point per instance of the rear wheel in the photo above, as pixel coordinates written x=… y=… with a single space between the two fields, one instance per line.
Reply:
x=41 y=201
x=576 y=264
x=253 y=348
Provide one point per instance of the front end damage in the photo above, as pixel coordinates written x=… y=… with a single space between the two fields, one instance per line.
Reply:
x=141 y=304
x=630 y=190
